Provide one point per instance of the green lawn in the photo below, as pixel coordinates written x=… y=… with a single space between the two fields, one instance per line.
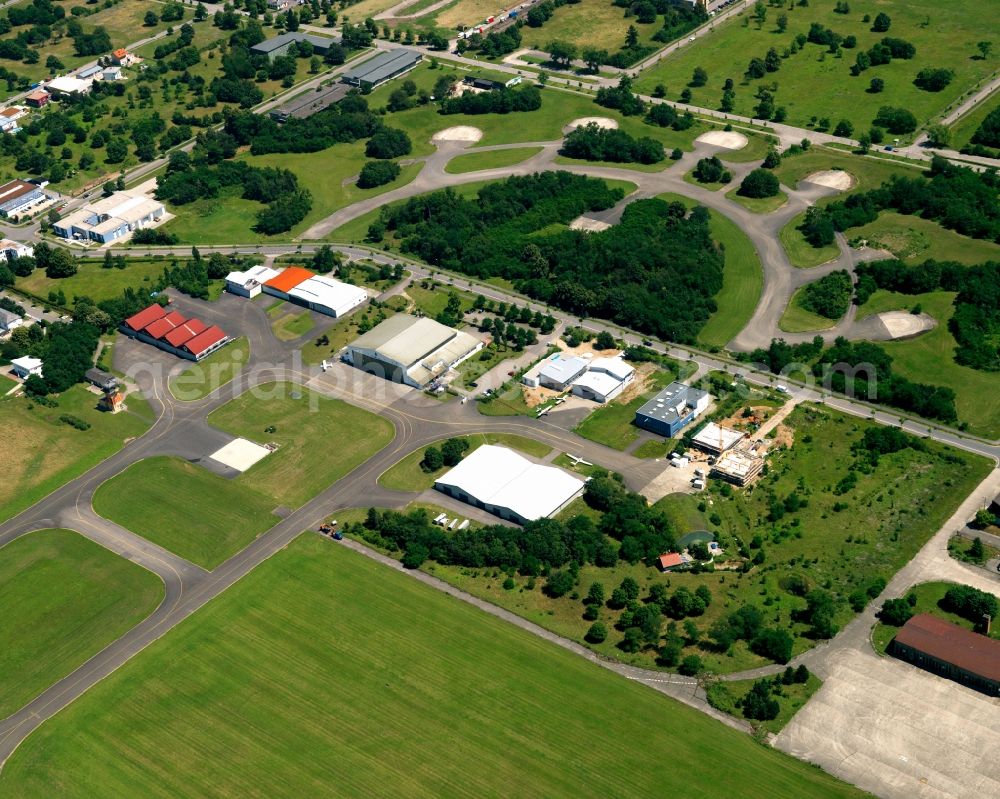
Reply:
x=815 y=84
x=758 y=205
x=91 y=280
x=755 y=150
x=194 y=513
x=590 y=23
x=928 y=595
x=724 y=695
x=322 y=672
x=612 y=424
x=406 y=475
x=491 y=159
x=742 y=279
x=915 y=239
x=65 y=598
x=929 y=358
x=319 y=439
x=45 y=453
x=291 y=326
x=964 y=129
x=202 y=378
x=869 y=172
x=797 y=319
x=800 y=252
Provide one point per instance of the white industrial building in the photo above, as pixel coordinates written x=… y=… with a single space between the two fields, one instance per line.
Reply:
x=111 y=218
x=11 y=250
x=411 y=350
x=329 y=296
x=604 y=379
x=24 y=367
x=68 y=85
x=509 y=485
x=9 y=320
x=716 y=439
x=560 y=371
x=249 y=282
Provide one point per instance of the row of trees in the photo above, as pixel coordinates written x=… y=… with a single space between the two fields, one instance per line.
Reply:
x=594 y=143
x=657 y=270
x=526 y=97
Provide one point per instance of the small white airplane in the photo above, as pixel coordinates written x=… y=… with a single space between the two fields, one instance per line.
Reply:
x=579 y=461
x=325 y=366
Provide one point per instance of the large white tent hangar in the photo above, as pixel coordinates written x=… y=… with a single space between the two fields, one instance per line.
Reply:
x=508 y=485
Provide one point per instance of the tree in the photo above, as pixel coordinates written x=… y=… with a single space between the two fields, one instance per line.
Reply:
x=594 y=58
x=670 y=655
x=844 y=128
x=595 y=595
x=453 y=450
x=758 y=704
x=699 y=77
x=976 y=550
x=772 y=61
x=782 y=23
x=604 y=341
x=388 y=143
x=772 y=160
x=378 y=173
x=631 y=37
x=756 y=68
x=802 y=674
x=876 y=85
x=984 y=518
x=760 y=183
x=597 y=633
x=939 y=136
x=560 y=582
x=711 y=170
x=645 y=12
x=60 y=264
x=933 y=80
x=150 y=20
x=759 y=13
x=895 y=612
x=881 y=23
x=773 y=643
x=562 y=52
x=116 y=151
x=691 y=666
x=896 y=120
x=415 y=556
x=433 y=460
x=985 y=48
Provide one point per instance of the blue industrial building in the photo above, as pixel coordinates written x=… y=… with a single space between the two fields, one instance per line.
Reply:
x=672 y=409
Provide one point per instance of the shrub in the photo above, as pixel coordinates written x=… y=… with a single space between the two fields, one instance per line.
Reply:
x=933 y=80
x=378 y=173
x=388 y=143
x=597 y=634
x=74 y=421
x=760 y=183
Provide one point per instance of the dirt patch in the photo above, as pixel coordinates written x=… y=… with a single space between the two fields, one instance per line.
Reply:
x=784 y=436
x=901 y=324
x=533 y=397
x=601 y=122
x=833 y=179
x=588 y=225
x=458 y=133
x=726 y=139
x=749 y=423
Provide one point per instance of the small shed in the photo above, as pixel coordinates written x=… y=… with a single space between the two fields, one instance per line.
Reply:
x=103 y=380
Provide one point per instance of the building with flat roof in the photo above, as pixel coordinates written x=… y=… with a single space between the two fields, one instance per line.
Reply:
x=508 y=485
x=103 y=380
x=672 y=409
x=950 y=651
x=715 y=439
x=383 y=67
x=282 y=44
x=111 y=218
x=11 y=250
x=411 y=350
x=250 y=282
x=559 y=372
x=68 y=86
x=309 y=102
x=328 y=296
x=738 y=466
x=25 y=367
x=17 y=196
x=604 y=379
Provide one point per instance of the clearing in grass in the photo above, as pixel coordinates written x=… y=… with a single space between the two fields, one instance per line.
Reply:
x=319 y=440
x=409 y=474
x=816 y=85
x=176 y=719
x=65 y=598
x=42 y=453
x=194 y=513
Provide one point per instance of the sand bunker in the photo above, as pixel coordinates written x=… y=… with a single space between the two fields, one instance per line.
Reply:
x=458 y=133
x=601 y=122
x=726 y=139
x=588 y=224
x=901 y=324
x=833 y=179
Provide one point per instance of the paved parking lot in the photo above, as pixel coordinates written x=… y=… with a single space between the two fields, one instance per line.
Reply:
x=897 y=731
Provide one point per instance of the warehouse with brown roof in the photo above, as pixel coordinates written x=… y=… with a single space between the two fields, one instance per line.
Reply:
x=950 y=651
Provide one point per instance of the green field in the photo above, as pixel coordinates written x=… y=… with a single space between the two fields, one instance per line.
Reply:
x=590 y=23
x=267 y=691
x=319 y=439
x=43 y=453
x=928 y=596
x=202 y=378
x=742 y=279
x=799 y=251
x=407 y=475
x=815 y=84
x=292 y=325
x=930 y=358
x=65 y=598
x=91 y=280
x=182 y=507
x=797 y=319
x=612 y=424
x=491 y=159
x=914 y=239
x=758 y=205
x=889 y=515
x=964 y=129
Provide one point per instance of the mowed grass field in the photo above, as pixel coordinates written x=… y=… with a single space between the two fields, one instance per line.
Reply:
x=202 y=378
x=474 y=162
x=408 y=476
x=915 y=239
x=64 y=598
x=91 y=280
x=930 y=358
x=815 y=83
x=742 y=279
x=319 y=439
x=194 y=513
x=324 y=673
x=41 y=453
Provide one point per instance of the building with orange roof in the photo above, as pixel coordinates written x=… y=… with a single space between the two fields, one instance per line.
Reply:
x=173 y=333
x=161 y=327
x=670 y=560
x=144 y=318
x=205 y=343
x=185 y=332
x=286 y=280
